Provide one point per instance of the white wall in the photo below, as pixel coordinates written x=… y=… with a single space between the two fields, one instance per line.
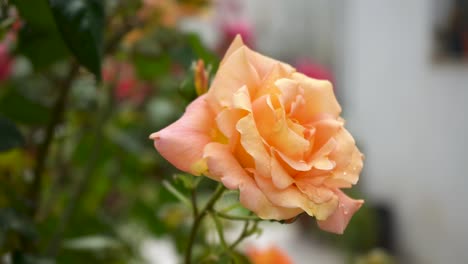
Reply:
x=410 y=118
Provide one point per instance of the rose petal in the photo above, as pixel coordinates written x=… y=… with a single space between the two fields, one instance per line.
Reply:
x=275 y=129
x=227 y=119
x=231 y=76
x=253 y=144
x=280 y=177
x=292 y=197
x=268 y=86
x=264 y=64
x=235 y=45
x=182 y=142
x=241 y=99
x=319 y=98
x=316 y=193
x=344 y=150
x=338 y=221
x=222 y=164
x=289 y=91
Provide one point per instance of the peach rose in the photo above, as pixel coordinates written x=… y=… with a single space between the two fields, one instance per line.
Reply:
x=272 y=133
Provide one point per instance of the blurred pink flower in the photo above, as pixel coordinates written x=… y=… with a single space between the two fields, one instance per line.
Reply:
x=232 y=22
x=127 y=85
x=6 y=61
x=231 y=29
x=313 y=70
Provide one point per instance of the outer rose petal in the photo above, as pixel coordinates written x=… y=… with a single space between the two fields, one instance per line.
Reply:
x=182 y=142
x=338 y=221
x=292 y=197
x=223 y=165
x=235 y=45
x=235 y=72
x=319 y=99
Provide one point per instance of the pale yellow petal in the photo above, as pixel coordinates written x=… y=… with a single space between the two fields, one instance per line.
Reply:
x=253 y=144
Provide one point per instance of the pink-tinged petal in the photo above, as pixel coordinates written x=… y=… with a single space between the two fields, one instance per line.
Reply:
x=339 y=220
x=182 y=142
x=231 y=76
x=292 y=197
x=223 y=164
x=319 y=98
x=253 y=144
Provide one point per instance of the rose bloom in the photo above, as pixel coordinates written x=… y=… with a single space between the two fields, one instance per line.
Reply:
x=272 y=133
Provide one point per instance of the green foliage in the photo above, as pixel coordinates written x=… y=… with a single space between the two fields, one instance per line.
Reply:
x=79 y=179
x=30 y=112
x=81 y=23
x=39 y=34
x=10 y=136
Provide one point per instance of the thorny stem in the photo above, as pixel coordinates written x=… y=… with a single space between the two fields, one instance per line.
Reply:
x=198 y=219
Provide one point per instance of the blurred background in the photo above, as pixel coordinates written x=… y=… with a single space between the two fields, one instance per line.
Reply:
x=400 y=70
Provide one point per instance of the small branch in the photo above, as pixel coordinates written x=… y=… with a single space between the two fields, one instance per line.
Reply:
x=198 y=219
x=238 y=217
x=43 y=150
x=241 y=236
x=231 y=207
x=246 y=232
x=219 y=229
x=194 y=202
x=176 y=193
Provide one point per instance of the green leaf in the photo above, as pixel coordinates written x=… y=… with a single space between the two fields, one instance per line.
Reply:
x=35 y=12
x=81 y=23
x=13 y=221
x=39 y=39
x=22 y=109
x=150 y=67
x=10 y=136
x=43 y=46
